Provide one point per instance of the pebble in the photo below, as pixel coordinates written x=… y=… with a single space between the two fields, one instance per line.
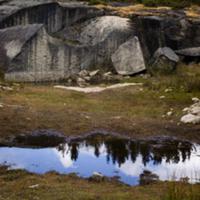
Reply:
x=168 y=90
x=195 y=99
x=97 y=174
x=170 y=113
x=162 y=97
x=34 y=186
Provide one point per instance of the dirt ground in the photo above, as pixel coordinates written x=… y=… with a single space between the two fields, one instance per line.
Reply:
x=135 y=111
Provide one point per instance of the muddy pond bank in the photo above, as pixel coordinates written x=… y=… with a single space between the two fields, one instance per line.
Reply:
x=131 y=162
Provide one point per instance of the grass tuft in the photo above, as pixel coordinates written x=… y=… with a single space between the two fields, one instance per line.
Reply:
x=181 y=191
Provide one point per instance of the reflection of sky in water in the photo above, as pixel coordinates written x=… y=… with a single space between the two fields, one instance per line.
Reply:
x=50 y=159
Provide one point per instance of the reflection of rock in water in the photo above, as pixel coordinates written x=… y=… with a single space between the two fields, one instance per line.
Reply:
x=148 y=177
x=119 y=150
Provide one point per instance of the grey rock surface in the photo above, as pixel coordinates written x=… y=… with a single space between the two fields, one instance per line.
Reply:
x=164 y=61
x=31 y=54
x=99 y=29
x=128 y=59
x=168 y=53
x=43 y=40
x=53 y=15
x=193 y=52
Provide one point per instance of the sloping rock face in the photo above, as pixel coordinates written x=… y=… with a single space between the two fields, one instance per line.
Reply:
x=27 y=49
x=40 y=57
x=128 y=59
x=12 y=40
x=173 y=30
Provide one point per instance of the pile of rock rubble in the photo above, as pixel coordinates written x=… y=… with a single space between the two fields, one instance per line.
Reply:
x=192 y=113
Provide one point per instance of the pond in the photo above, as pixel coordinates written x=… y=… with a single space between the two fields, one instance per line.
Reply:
x=111 y=156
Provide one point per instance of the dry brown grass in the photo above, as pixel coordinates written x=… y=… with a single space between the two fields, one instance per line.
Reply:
x=140 y=9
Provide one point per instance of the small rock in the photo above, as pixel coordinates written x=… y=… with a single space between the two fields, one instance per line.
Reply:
x=126 y=77
x=186 y=109
x=34 y=186
x=162 y=97
x=170 y=113
x=94 y=73
x=83 y=73
x=164 y=61
x=6 y=88
x=87 y=78
x=97 y=177
x=195 y=99
x=195 y=110
x=87 y=117
x=1 y=105
x=97 y=174
x=147 y=177
x=69 y=81
x=107 y=74
x=168 y=90
x=81 y=82
x=190 y=119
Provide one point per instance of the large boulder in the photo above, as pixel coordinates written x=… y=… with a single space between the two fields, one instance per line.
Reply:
x=189 y=54
x=194 y=52
x=102 y=35
x=164 y=61
x=128 y=59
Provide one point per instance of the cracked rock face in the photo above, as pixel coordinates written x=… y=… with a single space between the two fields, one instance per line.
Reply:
x=128 y=59
x=33 y=55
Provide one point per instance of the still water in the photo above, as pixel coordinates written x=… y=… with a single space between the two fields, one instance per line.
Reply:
x=110 y=156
